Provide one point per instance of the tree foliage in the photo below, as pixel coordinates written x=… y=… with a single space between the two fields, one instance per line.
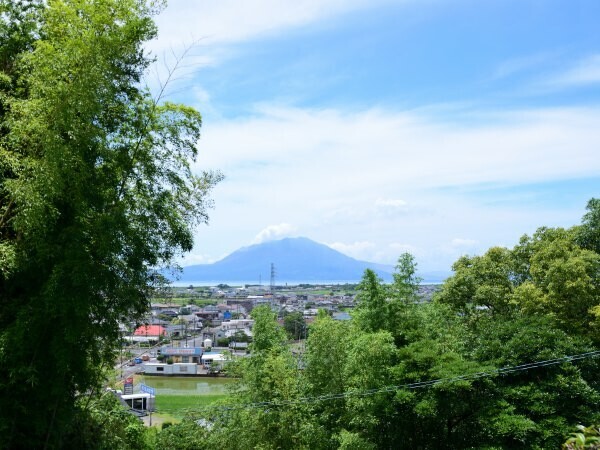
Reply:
x=96 y=194
x=295 y=325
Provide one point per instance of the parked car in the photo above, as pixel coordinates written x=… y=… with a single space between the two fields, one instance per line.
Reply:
x=138 y=360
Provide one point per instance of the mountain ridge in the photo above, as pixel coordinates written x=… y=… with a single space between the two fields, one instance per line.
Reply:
x=297 y=259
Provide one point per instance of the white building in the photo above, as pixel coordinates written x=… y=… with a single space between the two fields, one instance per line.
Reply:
x=171 y=369
x=214 y=361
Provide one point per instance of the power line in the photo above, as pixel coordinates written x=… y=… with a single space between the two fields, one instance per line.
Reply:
x=414 y=385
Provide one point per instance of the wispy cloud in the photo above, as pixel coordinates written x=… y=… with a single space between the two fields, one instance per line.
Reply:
x=461 y=243
x=197 y=258
x=584 y=72
x=231 y=21
x=390 y=203
x=359 y=250
x=522 y=64
x=377 y=252
x=391 y=151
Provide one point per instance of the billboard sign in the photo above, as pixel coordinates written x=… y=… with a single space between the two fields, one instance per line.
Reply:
x=147 y=389
x=128 y=386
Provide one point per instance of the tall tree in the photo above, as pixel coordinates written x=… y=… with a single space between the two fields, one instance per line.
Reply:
x=295 y=325
x=326 y=355
x=96 y=194
x=265 y=408
x=589 y=231
x=406 y=282
x=370 y=313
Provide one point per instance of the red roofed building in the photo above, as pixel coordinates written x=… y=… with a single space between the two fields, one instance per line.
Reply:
x=151 y=331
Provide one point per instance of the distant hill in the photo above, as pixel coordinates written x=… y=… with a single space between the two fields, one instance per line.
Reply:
x=295 y=260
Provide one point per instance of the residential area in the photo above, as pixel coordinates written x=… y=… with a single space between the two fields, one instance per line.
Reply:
x=195 y=331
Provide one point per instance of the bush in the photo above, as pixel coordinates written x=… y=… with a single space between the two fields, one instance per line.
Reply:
x=186 y=435
x=584 y=438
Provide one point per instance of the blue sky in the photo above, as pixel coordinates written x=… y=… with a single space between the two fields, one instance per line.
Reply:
x=377 y=127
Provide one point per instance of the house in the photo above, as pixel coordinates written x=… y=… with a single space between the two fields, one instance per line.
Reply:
x=237 y=324
x=183 y=354
x=214 y=361
x=209 y=312
x=147 y=333
x=159 y=308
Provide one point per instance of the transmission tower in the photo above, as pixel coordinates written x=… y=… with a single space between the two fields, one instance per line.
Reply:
x=272 y=278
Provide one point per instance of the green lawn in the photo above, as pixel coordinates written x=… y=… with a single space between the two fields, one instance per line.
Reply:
x=179 y=405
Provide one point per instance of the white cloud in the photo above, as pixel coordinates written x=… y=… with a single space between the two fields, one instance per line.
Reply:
x=388 y=253
x=332 y=154
x=583 y=72
x=403 y=248
x=357 y=250
x=273 y=232
x=459 y=242
x=229 y=21
x=457 y=247
x=522 y=64
x=192 y=258
x=377 y=252
x=390 y=203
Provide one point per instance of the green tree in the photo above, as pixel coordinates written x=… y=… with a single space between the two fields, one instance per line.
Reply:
x=405 y=285
x=96 y=194
x=325 y=357
x=186 y=435
x=371 y=299
x=562 y=279
x=370 y=359
x=547 y=273
x=264 y=409
x=268 y=335
x=103 y=423
x=588 y=234
x=295 y=325
x=536 y=408
x=403 y=298
x=388 y=307
x=481 y=283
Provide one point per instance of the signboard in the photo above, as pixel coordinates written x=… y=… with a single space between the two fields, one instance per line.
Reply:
x=181 y=351
x=147 y=389
x=128 y=386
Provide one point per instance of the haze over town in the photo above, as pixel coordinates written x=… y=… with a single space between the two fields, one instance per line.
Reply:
x=378 y=127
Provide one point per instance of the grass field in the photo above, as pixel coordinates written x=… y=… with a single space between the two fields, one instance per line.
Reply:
x=179 y=405
x=176 y=396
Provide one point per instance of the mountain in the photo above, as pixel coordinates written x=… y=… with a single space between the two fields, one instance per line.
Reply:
x=295 y=259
